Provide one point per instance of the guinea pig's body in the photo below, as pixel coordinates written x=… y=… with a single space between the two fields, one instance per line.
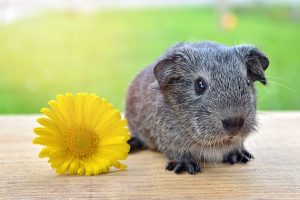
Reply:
x=196 y=103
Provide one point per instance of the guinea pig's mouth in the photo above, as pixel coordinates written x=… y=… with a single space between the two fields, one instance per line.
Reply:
x=223 y=141
x=230 y=140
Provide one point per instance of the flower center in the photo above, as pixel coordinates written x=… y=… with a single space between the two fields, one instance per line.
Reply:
x=81 y=141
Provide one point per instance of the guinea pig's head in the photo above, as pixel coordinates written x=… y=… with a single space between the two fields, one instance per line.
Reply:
x=210 y=87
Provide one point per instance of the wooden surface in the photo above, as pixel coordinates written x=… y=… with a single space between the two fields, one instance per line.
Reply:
x=274 y=174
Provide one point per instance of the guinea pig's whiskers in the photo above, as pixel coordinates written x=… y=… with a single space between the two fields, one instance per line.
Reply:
x=261 y=96
x=200 y=157
x=278 y=78
x=177 y=138
x=215 y=152
x=185 y=147
x=220 y=143
x=284 y=86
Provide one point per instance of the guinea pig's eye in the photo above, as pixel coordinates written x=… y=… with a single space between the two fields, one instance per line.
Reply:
x=200 y=86
x=248 y=82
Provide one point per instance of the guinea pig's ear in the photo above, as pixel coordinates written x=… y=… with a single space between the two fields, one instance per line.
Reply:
x=256 y=62
x=164 y=70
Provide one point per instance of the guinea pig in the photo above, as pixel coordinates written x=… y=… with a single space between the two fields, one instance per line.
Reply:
x=196 y=103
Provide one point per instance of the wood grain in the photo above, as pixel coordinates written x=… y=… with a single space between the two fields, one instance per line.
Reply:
x=274 y=174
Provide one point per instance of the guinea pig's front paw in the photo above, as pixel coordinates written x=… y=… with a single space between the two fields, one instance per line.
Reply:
x=238 y=156
x=184 y=164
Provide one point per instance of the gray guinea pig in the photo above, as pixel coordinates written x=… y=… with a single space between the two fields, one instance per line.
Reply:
x=196 y=103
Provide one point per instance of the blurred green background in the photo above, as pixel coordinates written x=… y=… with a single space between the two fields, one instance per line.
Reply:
x=102 y=51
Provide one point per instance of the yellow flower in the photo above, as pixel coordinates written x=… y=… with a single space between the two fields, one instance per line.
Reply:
x=83 y=135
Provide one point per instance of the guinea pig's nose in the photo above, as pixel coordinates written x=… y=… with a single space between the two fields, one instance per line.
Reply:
x=232 y=125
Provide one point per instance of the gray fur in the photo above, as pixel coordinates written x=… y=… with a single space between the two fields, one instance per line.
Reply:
x=166 y=114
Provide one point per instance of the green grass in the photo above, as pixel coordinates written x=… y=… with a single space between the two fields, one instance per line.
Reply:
x=101 y=52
